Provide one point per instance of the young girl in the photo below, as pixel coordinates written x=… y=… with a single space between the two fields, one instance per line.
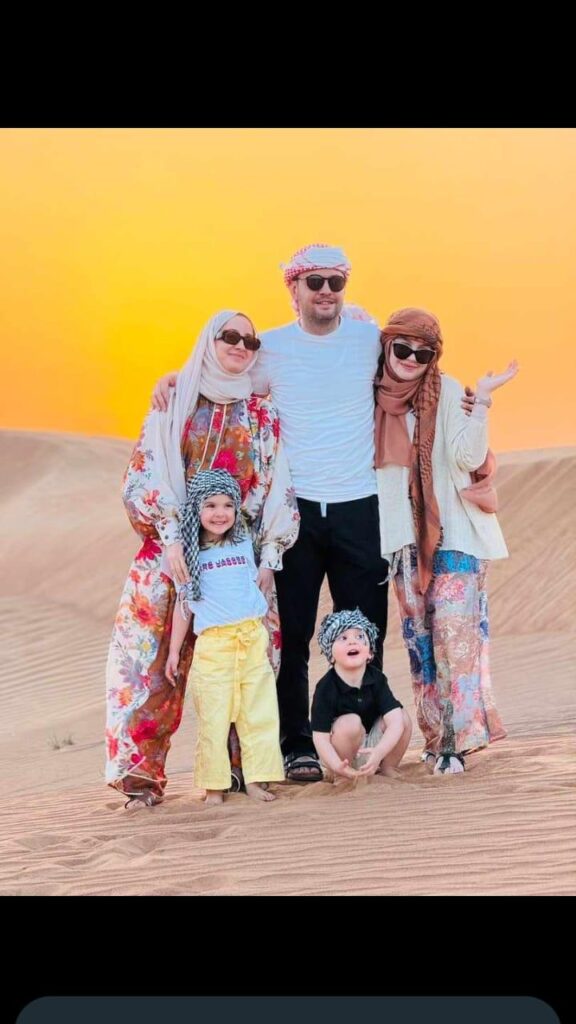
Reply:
x=438 y=531
x=231 y=680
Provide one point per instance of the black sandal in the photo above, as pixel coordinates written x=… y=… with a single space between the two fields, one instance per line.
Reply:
x=295 y=762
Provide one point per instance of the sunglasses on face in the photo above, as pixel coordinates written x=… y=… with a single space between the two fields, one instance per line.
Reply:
x=422 y=355
x=234 y=338
x=315 y=282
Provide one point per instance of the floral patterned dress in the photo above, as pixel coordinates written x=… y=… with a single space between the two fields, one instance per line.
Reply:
x=143 y=708
x=446 y=634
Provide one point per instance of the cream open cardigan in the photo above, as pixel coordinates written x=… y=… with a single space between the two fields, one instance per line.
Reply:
x=460 y=446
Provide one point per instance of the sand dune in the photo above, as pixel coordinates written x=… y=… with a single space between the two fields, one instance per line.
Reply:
x=505 y=827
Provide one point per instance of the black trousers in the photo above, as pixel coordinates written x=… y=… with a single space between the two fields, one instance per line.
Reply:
x=344 y=545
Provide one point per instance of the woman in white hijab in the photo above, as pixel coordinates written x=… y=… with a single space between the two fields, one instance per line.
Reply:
x=213 y=421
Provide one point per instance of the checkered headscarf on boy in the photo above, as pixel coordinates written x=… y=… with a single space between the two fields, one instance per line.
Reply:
x=333 y=625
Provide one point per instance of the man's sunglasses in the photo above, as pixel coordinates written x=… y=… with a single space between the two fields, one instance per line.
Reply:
x=315 y=282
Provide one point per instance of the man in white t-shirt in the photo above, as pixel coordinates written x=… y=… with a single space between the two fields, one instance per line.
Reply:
x=319 y=371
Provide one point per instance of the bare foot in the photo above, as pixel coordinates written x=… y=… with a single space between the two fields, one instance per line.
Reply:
x=254 y=789
x=389 y=771
x=213 y=797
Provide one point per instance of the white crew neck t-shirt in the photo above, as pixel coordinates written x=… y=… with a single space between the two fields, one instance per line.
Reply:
x=323 y=389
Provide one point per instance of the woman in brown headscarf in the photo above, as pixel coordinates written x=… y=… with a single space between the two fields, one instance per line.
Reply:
x=439 y=531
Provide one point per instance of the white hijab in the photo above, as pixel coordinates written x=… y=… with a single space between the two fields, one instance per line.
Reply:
x=203 y=375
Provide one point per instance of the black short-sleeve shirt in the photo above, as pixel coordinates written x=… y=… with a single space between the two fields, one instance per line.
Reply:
x=333 y=697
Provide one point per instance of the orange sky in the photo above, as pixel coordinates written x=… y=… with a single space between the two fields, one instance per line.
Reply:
x=117 y=244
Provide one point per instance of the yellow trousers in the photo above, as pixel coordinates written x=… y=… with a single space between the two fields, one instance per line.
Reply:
x=232 y=681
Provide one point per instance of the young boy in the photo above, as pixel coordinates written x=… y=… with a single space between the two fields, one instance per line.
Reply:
x=354 y=712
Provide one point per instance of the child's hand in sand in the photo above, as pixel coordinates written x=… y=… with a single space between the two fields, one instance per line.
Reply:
x=172 y=667
x=371 y=766
x=345 y=770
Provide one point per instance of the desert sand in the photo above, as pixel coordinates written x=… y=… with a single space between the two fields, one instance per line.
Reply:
x=507 y=826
